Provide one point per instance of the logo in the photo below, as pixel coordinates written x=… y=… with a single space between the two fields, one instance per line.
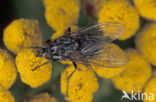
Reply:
x=137 y=96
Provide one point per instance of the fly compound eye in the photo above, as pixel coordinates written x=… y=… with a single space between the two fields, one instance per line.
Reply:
x=44 y=50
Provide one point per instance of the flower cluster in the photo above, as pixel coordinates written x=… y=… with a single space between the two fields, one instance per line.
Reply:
x=19 y=37
x=137 y=75
x=79 y=85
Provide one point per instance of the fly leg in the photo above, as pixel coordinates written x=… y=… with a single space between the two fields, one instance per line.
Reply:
x=86 y=63
x=90 y=67
x=75 y=66
x=41 y=65
x=68 y=30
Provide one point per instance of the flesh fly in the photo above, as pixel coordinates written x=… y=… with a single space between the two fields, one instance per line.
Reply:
x=84 y=46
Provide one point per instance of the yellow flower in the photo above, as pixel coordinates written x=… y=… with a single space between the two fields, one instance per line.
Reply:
x=120 y=11
x=146 y=8
x=146 y=42
x=43 y=97
x=22 y=33
x=8 y=71
x=111 y=72
x=26 y=60
x=6 y=96
x=82 y=84
x=150 y=88
x=61 y=14
x=60 y=32
x=135 y=75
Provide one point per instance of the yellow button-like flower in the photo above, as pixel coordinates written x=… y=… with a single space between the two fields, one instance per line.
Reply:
x=150 y=90
x=6 y=96
x=26 y=61
x=120 y=11
x=146 y=8
x=146 y=42
x=135 y=75
x=22 y=33
x=111 y=72
x=43 y=97
x=82 y=84
x=61 y=14
x=8 y=71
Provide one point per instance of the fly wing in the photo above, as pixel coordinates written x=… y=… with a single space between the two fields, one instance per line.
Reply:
x=100 y=54
x=106 y=56
x=107 y=32
x=109 y=56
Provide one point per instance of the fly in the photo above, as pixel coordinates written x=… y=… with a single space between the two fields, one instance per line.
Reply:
x=84 y=46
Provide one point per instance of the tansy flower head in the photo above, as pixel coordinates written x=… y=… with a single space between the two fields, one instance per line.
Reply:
x=150 y=88
x=8 y=71
x=120 y=11
x=6 y=96
x=61 y=14
x=22 y=33
x=135 y=75
x=146 y=42
x=43 y=97
x=82 y=84
x=111 y=72
x=146 y=8
x=26 y=61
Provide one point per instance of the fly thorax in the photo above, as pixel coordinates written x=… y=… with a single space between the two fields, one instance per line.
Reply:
x=69 y=47
x=54 y=51
x=63 y=47
x=64 y=50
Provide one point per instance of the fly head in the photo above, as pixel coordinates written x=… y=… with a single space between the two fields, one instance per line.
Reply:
x=45 y=51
